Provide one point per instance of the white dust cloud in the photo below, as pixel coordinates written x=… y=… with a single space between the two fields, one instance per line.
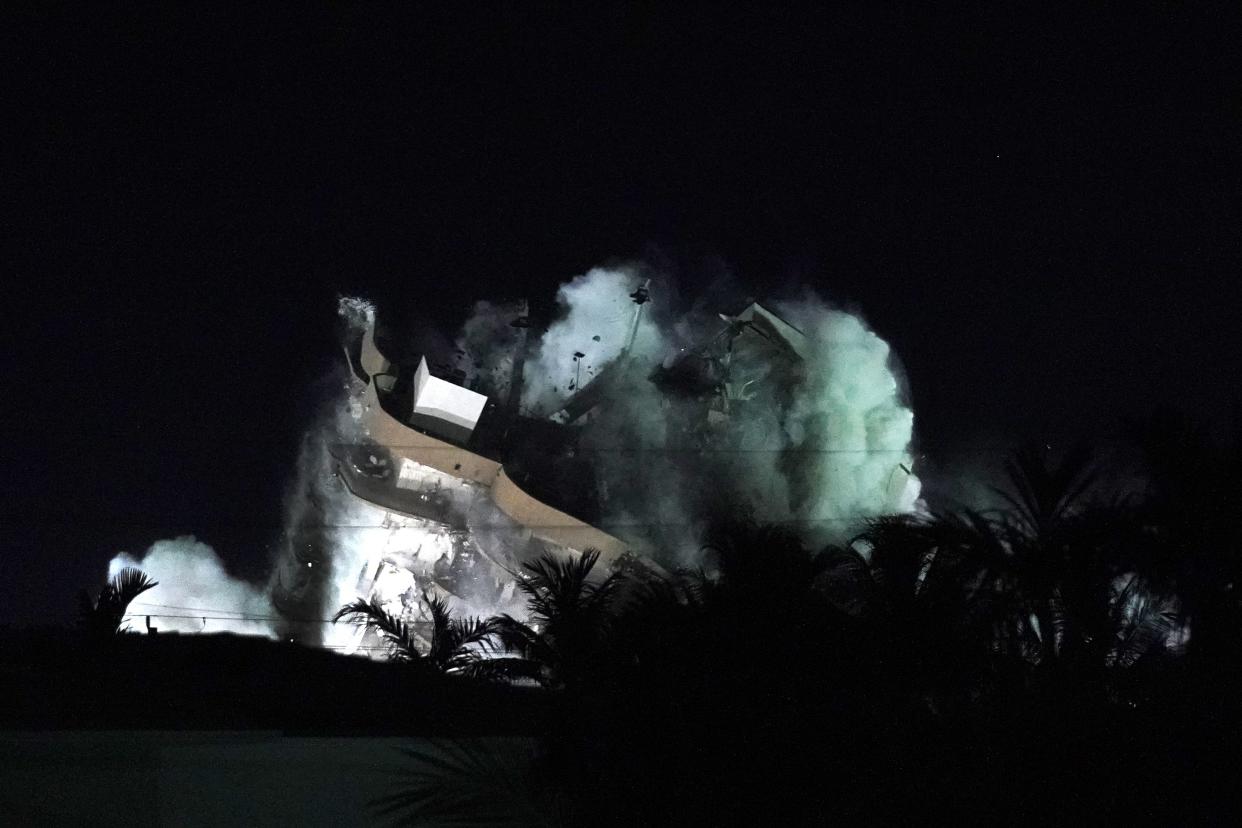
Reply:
x=195 y=593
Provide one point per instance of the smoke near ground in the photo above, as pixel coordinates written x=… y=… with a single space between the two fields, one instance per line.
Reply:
x=195 y=594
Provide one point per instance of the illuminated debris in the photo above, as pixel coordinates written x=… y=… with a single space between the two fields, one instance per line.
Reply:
x=477 y=469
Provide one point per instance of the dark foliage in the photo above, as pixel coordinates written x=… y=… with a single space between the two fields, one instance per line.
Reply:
x=569 y=620
x=394 y=632
x=104 y=616
x=1072 y=654
x=1014 y=664
x=456 y=644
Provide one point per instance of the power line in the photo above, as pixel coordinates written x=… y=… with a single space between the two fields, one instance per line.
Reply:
x=515 y=525
x=213 y=614
x=209 y=617
x=175 y=606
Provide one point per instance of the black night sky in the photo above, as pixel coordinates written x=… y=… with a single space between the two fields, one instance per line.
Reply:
x=1039 y=210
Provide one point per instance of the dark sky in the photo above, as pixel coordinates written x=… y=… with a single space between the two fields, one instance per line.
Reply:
x=1041 y=211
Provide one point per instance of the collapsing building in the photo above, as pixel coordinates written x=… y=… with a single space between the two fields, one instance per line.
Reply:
x=467 y=483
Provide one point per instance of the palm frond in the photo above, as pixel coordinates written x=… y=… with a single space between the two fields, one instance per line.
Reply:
x=395 y=633
x=847 y=579
x=107 y=612
x=511 y=635
x=1143 y=618
x=556 y=587
x=504 y=668
x=763 y=559
x=464 y=642
x=127 y=585
x=441 y=622
x=1046 y=493
x=472 y=631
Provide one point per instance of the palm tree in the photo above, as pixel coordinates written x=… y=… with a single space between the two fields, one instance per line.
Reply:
x=569 y=619
x=1109 y=595
x=457 y=644
x=103 y=616
x=1055 y=578
x=1188 y=512
x=917 y=595
x=663 y=623
x=395 y=633
x=764 y=561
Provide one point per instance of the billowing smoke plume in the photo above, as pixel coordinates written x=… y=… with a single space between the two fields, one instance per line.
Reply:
x=195 y=594
x=849 y=430
x=597 y=321
x=821 y=450
x=819 y=445
x=329 y=534
x=338 y=547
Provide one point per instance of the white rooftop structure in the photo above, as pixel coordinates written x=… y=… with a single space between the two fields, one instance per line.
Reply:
x=444 y=402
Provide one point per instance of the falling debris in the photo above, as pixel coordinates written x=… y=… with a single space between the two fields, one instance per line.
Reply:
x=442 y=479
x=792 y=412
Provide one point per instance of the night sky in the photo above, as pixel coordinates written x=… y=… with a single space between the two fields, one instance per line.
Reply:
x=1040 y=212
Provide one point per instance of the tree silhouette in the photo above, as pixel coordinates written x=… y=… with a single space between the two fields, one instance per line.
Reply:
x=1056 y=579
x=103 y=616
x=456 y=646
x=569 y=618
x=1189 y=517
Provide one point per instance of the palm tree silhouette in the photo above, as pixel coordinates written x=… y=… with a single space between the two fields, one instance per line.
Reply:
x=104 y=615
x=569 y=619
x=1052 y=579
x=457 y=644
x=1189 y=515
